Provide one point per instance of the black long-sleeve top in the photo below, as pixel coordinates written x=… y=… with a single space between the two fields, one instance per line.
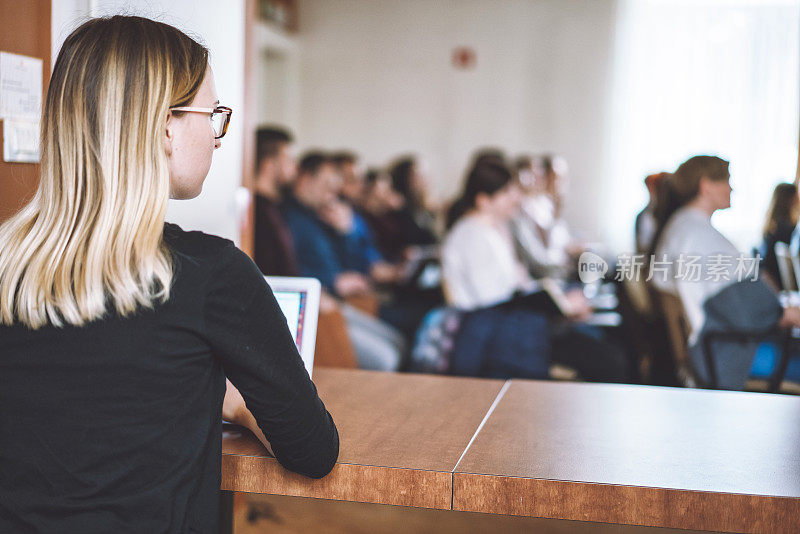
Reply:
x=116 y=426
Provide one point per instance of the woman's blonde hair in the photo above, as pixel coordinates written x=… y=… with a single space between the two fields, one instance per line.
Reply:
x=91 y=239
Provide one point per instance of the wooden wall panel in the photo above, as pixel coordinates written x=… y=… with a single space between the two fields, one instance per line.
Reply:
x=24 y=29
x=247 y=116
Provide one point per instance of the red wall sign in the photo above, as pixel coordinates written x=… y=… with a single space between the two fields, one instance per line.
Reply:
x=464 y=58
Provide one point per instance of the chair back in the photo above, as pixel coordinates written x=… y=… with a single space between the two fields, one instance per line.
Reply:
x=678 y=332
x=638 y=295
x=368 y=303
x=334 y=348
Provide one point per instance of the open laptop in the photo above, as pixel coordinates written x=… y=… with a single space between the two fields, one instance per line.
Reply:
x=788 y=267
x=298 y=299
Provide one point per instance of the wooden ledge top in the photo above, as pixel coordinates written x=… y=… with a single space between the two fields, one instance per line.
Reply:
x=639 y=455
x=402 y=436
x=698 y=440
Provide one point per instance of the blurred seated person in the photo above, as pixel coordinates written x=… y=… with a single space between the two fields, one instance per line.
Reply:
x=357 y=248
x=403 y=306
x=646 y=223
x=344 y=213
x=489 y=154
x=380 y=207
x=348 y=218
x=541 y=235
x=420 y=269
x=715 y=282
x=320 y=250
x=353 y=179
x=276 y=169
x=781 y=221
x=484 y=277
x=416 y=218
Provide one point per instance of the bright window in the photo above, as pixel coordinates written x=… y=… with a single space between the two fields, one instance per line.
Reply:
x=704 y=77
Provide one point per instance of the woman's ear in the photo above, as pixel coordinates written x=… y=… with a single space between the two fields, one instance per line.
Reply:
x=169 y=133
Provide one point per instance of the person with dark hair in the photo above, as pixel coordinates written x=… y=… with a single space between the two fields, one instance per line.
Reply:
x=721 y=292
x=322 y=253
x=489 y=155
x=646 y=225
x=276 y=169
x=480 y=224
x=781 y=221
x=352 y=174
x=551 y=170
x=344 y=214
x=318 y=253
x=417 y=221
x=381 y=204
x=358 y=253
x=484 y=278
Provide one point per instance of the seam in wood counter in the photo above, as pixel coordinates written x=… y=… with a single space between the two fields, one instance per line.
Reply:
x=401 y=438
x=675 y=458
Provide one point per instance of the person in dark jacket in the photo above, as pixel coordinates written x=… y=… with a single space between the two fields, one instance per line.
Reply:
x=781 y=221
x=117 y=332
x=276 y=170
x=417 y=221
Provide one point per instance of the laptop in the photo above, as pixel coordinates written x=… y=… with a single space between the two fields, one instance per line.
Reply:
x=788 y=267
x=298 y=299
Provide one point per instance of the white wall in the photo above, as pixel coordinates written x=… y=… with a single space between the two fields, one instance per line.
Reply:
x=376 y=77
x=221 y=28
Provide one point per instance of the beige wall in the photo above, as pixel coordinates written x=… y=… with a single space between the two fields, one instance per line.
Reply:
x=376 y=77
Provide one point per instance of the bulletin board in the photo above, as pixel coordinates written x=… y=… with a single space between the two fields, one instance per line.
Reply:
x=24 y=31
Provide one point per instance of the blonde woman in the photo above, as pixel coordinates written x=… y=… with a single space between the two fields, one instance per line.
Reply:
x=116 y=330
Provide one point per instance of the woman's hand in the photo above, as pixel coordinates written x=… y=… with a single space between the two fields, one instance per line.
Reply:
x=339 y=215
x=791 y=317
x=233 y=406
x=579 y=307
x=351 y=283
x=235 y=411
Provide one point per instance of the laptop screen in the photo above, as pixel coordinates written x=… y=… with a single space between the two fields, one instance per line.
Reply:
x=298 y=299
x=293 y=306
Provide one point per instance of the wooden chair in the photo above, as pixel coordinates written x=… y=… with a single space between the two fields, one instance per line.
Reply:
x=333 y=348
x=677 y=326
x=365 y=302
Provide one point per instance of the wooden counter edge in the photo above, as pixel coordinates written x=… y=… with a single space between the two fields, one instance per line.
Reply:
x=630 y=505
x=346 y=482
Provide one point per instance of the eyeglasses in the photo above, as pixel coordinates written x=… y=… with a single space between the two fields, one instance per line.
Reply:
x=220 y=117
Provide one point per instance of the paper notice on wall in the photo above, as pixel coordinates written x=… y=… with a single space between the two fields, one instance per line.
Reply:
x=21 y=140
x=20 y=87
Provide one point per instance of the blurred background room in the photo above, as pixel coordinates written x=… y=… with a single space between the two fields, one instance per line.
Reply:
x=439 y=164
x=561 y=190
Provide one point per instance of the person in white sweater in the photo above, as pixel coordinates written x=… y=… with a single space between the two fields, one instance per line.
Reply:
x=718 y=286
x=481 y=270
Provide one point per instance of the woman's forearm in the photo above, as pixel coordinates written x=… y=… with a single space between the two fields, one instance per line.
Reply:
x=235 y=410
